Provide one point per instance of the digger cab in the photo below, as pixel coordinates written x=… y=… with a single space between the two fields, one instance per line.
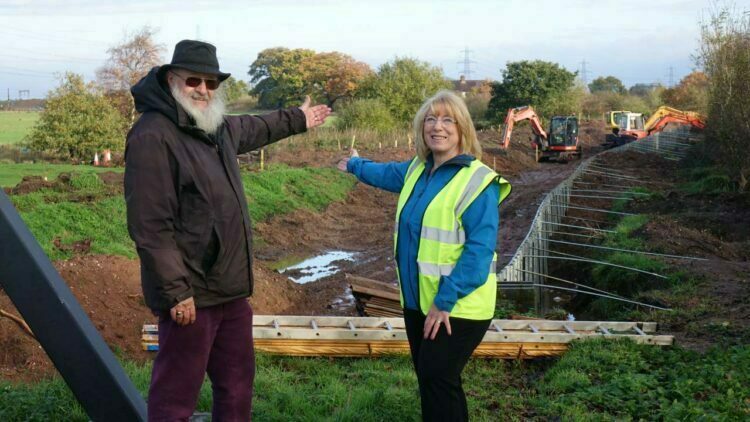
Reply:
x=563 y=133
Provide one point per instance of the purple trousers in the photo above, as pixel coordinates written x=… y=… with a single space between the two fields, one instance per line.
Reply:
x=220 y=343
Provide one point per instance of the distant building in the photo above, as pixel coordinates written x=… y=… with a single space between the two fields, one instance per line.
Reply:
x=463 y=85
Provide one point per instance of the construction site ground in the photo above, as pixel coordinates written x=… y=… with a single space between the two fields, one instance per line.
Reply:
x=108 y=287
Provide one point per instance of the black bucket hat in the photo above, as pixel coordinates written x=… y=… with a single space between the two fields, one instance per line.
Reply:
x=196 y=56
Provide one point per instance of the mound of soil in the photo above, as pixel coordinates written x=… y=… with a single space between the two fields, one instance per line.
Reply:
x=31 y=184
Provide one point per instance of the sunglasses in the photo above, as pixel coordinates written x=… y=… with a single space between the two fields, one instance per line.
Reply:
x=195 y=82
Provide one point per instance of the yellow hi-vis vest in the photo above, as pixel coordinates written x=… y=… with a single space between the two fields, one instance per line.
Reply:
x=442 y=239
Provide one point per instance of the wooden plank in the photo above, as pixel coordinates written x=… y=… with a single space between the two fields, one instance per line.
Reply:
x=375 y=293
x=371 y=283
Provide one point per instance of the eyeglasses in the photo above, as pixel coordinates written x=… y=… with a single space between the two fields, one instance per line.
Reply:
x=432 y=121
x=195 y=82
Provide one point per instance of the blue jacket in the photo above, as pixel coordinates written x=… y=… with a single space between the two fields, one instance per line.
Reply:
x=480 y=222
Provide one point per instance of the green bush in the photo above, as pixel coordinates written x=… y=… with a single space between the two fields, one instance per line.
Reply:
x=365 y=114
x=77 y=121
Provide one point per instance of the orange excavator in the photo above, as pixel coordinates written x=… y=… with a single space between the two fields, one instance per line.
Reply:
x=561 y=143
x=623 y=131
x=664 y=115
x=627 y=123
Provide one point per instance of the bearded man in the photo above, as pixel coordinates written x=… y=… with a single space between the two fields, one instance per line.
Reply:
x=188 y=217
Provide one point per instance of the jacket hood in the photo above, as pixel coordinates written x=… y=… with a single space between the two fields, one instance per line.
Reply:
x=152 y=94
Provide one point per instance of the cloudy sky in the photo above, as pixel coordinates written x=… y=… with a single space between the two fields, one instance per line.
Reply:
x=634 y=40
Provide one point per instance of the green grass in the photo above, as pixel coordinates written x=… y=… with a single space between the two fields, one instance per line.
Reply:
x=595 y=380
x=14 y=125
x=282 y=189
x=707 y=180
x=620 y=380
x=12 y=174
x=88 y=210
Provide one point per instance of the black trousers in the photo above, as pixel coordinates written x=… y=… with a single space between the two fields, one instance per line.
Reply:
x=439 y=364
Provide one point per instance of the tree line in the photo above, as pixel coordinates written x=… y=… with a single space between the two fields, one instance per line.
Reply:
x=81 y=118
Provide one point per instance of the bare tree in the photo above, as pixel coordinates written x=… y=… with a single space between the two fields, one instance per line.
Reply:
x=127 y=63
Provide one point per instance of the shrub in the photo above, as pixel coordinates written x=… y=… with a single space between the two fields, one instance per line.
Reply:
x=77 y=121
x=365 y=114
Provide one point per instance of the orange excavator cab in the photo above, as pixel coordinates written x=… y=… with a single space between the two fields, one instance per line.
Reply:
x=560 y=143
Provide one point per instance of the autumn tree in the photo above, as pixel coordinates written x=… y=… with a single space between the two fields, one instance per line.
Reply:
x=336 y=75
x=77 y=121
x=126 y=64
x=283 y=76
x=279 y=76
x=543 y=85
x=403 y=85
x=607 y=84
x=690 y=94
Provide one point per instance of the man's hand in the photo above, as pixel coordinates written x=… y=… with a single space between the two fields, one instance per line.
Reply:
x=184 y=312
x=315 y=115
x=342 y=164
x=432 y=323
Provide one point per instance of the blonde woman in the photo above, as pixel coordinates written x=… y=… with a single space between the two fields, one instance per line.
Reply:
x=445 y=237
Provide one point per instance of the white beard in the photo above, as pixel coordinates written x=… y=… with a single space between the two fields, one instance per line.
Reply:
x=208 y=119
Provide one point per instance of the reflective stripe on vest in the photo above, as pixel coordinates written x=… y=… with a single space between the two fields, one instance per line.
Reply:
x=442 y=236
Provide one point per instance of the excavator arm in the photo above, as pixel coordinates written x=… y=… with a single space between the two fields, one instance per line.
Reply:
x=664 y=115
x=516 y=115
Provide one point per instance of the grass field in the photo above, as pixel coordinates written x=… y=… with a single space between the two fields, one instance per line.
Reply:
x=596 y=380
x=11 y=174
x=14 y=125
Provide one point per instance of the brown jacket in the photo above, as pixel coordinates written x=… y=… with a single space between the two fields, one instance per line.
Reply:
x=185 y=200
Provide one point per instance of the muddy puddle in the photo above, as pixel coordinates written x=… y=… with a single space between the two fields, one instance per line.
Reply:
x=317 y=267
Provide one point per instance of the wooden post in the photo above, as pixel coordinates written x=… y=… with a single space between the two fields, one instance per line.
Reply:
x=354 y=138
x=262 y=154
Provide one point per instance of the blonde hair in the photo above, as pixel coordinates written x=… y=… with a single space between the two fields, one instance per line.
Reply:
x=455 y=107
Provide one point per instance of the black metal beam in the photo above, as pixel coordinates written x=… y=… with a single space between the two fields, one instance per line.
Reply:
x=61 y=325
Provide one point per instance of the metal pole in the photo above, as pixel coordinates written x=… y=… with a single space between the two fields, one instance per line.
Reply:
x=60 y=324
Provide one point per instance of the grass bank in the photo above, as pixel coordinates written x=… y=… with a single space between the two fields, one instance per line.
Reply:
x=84 y=209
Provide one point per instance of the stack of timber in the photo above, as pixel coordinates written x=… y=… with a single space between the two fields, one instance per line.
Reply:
x=364 y=336
x=375 y=298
